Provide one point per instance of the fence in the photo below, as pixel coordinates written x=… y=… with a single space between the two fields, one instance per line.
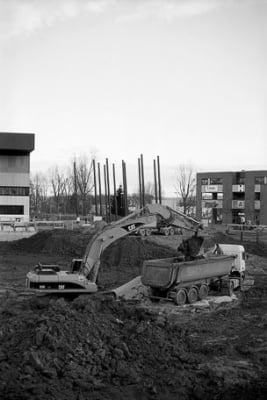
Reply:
x=243 y=232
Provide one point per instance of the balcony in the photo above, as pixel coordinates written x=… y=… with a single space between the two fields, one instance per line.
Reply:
x=212 y=204
x=238 y=204
x=211 y=188
x=238 y=188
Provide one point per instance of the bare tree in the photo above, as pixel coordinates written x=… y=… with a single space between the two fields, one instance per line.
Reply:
x=58 y=185
x=134 y=198
x=67 y=193
x=149 y=192
x=85 y=183
x=38 y=193
x=185 y=187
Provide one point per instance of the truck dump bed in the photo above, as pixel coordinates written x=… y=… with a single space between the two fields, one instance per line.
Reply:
x=163 y=273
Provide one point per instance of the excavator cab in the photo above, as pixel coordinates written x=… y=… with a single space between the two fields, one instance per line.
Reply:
x=75 y=265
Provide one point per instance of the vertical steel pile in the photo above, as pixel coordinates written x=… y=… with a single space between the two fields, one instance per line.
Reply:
x=95 y=187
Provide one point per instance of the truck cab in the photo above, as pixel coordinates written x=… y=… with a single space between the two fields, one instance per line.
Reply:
x=239 y=262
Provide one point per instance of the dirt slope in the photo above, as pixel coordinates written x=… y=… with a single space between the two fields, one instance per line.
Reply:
x=94 y=348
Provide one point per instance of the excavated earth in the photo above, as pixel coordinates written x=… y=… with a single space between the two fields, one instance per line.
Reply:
x=96 y=348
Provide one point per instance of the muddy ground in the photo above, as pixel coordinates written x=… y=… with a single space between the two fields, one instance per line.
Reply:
x=95 y=348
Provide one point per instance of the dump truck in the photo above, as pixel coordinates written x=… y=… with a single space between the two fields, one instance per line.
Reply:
x=159 y=226
x=222 y=269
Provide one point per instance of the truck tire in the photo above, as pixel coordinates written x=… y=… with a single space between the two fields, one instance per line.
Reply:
x=192 y=295
x=180 y=297
x=171 y=231
x=203 y=292
x=231 y=287
x=142 y=232
x=148 y=232
x=166 y=231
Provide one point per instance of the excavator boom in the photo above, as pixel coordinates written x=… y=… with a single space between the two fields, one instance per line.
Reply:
x=128 y=225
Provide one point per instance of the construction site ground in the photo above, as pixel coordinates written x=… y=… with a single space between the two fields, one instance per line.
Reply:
x=96 y=348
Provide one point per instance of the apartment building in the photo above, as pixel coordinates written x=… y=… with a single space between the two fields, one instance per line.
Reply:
x=232 y=197
x=15 y=149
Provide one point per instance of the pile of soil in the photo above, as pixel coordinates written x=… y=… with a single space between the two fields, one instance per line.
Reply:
x=94 y=347
x=98 y=349
x=56 y=241
x=120 y=262
x=123 y=260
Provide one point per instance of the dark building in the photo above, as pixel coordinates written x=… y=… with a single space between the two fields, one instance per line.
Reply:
x=232 y=197
x=15 y=149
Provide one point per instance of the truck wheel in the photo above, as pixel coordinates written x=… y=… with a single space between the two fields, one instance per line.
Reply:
x=231 y=287
x=203 y=292
x=148 y=232
x=192 y=295
x=142 y=232
x=171 y=232
x=180 y=297
x=166 y=232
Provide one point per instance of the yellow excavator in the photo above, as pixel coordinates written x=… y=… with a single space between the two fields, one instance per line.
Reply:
x=83 y=273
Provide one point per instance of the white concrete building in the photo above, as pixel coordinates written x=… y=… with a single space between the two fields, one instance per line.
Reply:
x=15 y=149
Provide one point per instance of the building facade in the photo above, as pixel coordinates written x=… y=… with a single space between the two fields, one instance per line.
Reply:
x=15 y=149
x=232 y=197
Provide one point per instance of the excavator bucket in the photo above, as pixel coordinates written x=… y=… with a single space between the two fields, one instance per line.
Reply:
x=195 y=244
x=196 y=247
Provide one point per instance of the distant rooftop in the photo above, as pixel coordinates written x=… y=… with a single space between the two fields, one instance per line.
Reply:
x=17 y=142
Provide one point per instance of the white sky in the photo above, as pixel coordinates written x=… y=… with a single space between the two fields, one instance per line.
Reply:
x=182 y=79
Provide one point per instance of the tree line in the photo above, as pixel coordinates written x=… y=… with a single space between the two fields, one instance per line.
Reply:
x=69 y=192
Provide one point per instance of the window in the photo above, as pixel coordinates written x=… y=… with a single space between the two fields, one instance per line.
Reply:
x=257 y=196
x=259 y=180
x=216 y=181
x=239 y=178
x=11 y=210
x=238 y=196
x=204 y=181
x=219 y=196
x=14 y=191
x=207 y=196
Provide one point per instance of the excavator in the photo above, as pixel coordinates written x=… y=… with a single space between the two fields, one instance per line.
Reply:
x=82 y=276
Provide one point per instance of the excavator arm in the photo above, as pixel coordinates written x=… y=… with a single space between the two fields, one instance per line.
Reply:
x=127 y=225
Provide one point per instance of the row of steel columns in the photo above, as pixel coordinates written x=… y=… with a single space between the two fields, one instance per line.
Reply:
x=105 y=209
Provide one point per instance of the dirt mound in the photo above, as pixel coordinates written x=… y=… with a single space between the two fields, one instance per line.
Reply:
x=123 y=260
x=97 y=349
x=56 y=241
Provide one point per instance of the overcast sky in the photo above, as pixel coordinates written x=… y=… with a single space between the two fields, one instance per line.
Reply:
x=182 y=79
